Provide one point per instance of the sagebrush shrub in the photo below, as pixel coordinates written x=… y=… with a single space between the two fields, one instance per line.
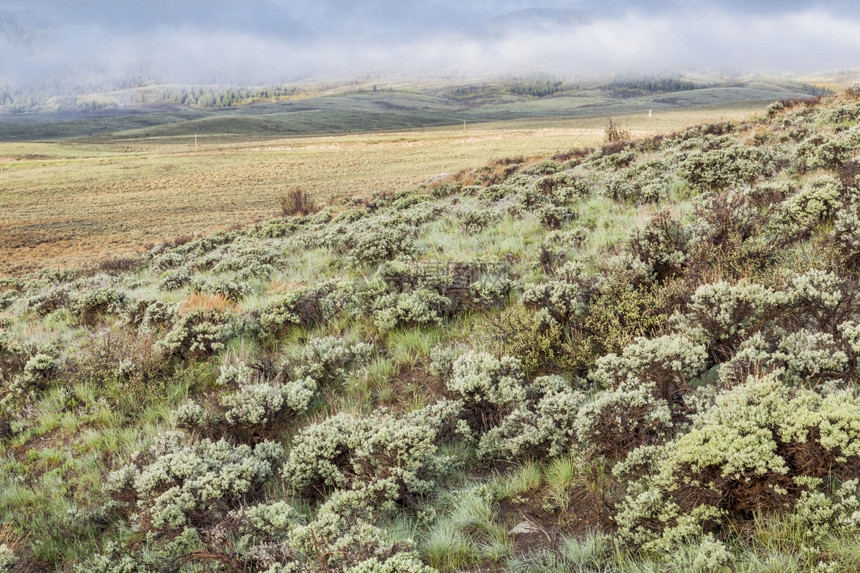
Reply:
x=555 y=217
x=175 y=279
x=664 y=365
x=564 y=297
x=618 y=421
x=90 y=305
x=663 y=245
x=755 y=450
x=489 y=387
x=328 y=359
x=414 y=308
x=813 y=204
x=385 y=460
x=178 y=483
x=309 y=306
x=729 y=313
x=723 y=167
x=541 y=426
x=199 y=333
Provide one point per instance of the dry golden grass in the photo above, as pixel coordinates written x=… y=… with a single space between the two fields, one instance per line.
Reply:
x=73 y=203
x=200 y=301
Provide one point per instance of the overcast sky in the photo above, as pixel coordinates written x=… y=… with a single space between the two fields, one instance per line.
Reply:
x=258 y=41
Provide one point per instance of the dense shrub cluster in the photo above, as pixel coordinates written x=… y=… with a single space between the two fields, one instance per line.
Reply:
x=762 y=446
x=655 y=338
x=310 y=306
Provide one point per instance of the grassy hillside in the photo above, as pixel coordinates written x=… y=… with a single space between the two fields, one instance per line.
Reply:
x=640 y=356
x=360 y=108
x=74 y=202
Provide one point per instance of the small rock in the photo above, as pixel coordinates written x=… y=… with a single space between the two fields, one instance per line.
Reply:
x=524 y=528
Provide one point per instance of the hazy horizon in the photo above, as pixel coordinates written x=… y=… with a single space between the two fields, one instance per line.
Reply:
x=93 y=42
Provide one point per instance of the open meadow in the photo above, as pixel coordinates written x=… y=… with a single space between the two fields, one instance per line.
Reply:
x=75 y=201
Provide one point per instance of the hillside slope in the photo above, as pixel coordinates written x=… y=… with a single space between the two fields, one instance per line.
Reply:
x=638 y=357
x=351 y=109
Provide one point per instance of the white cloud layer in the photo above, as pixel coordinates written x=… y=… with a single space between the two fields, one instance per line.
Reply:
x=51 y=41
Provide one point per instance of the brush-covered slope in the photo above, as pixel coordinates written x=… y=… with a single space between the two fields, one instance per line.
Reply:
x=639 y=357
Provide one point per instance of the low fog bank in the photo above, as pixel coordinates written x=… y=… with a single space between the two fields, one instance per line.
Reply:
x=99 y=45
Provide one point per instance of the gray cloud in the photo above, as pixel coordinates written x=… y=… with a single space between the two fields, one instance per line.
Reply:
x=278 y=40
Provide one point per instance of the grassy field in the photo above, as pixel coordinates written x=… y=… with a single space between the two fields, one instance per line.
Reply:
x=71 y=202
x=637 y=358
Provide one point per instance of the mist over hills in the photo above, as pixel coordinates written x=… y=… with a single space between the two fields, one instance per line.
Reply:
x=371 y=104
x=62 y=48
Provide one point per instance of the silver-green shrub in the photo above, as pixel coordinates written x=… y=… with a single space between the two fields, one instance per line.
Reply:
x=758 y=449
x=328 y=359
x=564 y=297
x=413 y=308
x=309 y=306
x=664 y=365
x=490 y=387
x=89 y=305
x=180 y=483
x=618 y=421
x=379 y=459
x=200 y=333
x=541 y=426
x=815 y=203
x=175 y=279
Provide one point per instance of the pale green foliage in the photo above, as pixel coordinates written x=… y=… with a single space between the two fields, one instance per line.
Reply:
x=169 y=260
x=174 y=279
x=189 y=415
x=846 y=232
x=413 y=308
x=664 y=364
x=90 y=304
x=272 y=518
x=806 y=354
x=813 y=204
x=850 y=331
x=477 y=221
x=8 y=559
x=719 y=167
x=728 y=312
x=383 y=458
x=541 y=426
x=234 y=375
x=309 y=306
x=827 y=151
x=816 y=288
x=343 y=537
x=565 y=240
x=201 y=332
x=555 y=217
x=232 y=290
x=563 y=297
x=157 y=315
x=39 y=368
x=490 y=387
x=328 y=359
x=37 y=371
x=742 y=443
x=402 y=562
x=177 y=478
x=489 y=291
x=374 y=243
x=258 y=404
x=617 y=421
x=712 y=555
